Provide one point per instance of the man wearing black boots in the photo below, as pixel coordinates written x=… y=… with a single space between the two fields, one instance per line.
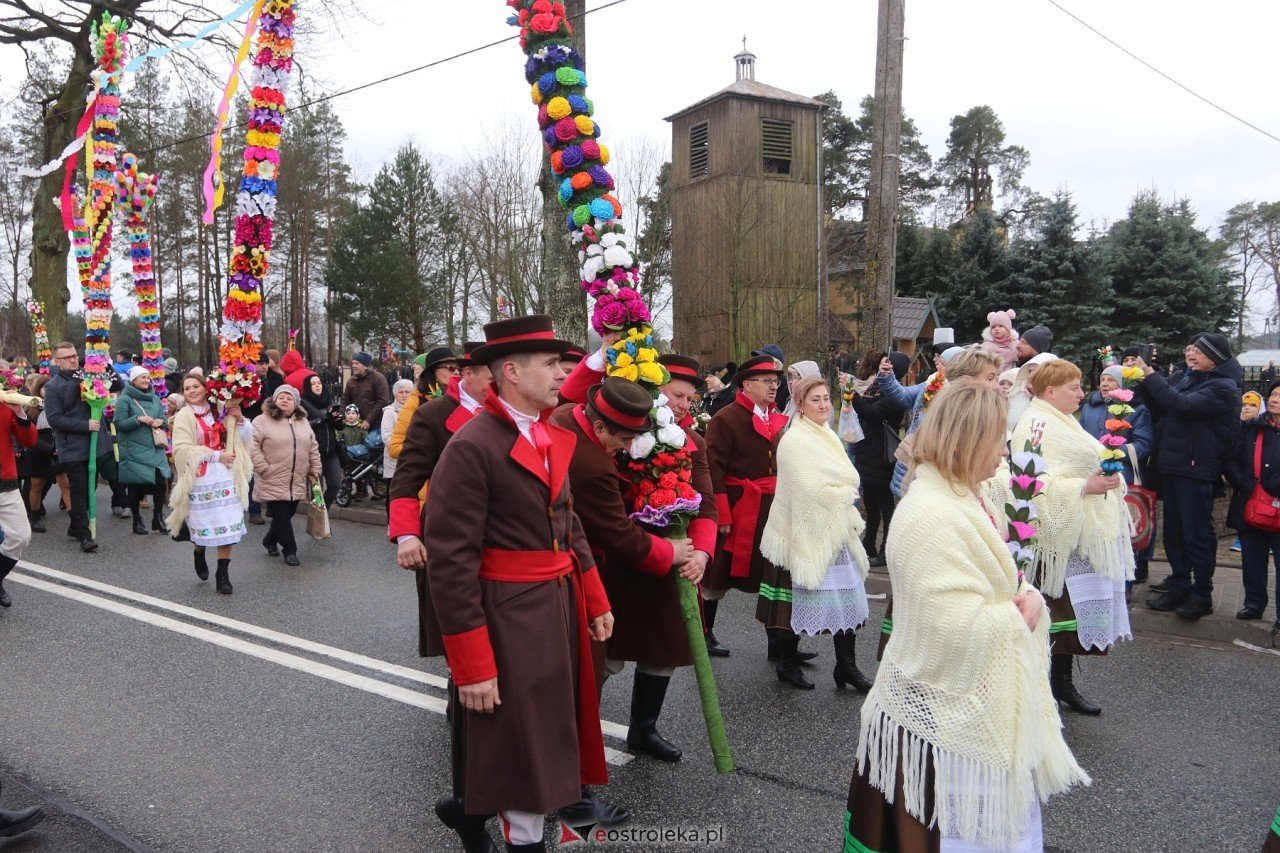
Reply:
x=14 y=426
x=519 y=601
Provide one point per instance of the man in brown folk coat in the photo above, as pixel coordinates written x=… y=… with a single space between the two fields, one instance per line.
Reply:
x=743 y=474
x=431 y=427
x=650 y=627
x=518 y=598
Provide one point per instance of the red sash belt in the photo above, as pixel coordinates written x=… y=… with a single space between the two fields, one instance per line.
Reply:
x=497 y=564
x=536 y=566
x=746 y=519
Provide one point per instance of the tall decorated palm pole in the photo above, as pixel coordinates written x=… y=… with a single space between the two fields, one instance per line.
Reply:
x=661 y=494
x=92 y=234
x=235 y=380
x=134 y=193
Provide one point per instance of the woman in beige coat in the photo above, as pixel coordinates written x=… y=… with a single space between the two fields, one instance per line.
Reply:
x=285 y=454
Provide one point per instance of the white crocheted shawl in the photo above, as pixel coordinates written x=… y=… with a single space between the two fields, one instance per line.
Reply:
x=1096 y=527
x=813 y=515
x=963 y=687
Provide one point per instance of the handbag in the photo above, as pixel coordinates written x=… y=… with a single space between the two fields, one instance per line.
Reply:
x=1141 y=503
x=317 y=517
x=891 y=442
x=158 y=435
x=1261 y=510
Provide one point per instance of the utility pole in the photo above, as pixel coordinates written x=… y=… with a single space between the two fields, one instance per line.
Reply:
x=875 y=329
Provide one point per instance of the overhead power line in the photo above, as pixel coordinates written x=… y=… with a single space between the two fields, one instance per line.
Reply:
x=1139 y=59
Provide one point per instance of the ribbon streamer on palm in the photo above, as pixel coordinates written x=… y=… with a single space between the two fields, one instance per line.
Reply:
x=92 y=234
x=235 y=380
x=609 y=273
x=134 y=193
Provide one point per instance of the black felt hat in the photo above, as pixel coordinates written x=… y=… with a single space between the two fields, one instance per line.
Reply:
x=518 y=335
x=622 y=404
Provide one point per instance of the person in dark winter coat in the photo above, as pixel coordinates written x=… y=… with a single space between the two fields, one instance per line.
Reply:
x=322 y=416
x=1256 y=545
x=144 y=468
x=367 y=390
x=1200 y=435
x=878 y=415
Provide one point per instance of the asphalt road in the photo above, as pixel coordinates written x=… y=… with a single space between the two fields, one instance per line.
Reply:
x=145 y=726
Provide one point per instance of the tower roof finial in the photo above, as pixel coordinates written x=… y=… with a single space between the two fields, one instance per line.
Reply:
x=745 y=63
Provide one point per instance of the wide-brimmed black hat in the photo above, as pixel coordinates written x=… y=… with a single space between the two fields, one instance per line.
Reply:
x=468 y=349
x=758 y=366
x=684 y=367
x=437 y=357
x=622 y=404
x=530 y=334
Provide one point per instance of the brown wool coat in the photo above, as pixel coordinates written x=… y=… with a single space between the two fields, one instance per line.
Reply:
x=489 y=496
x=736 y=449
x=430 y=428
x=285 y=454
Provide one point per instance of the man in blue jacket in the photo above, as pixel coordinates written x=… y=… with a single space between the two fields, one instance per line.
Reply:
x=1201 y=427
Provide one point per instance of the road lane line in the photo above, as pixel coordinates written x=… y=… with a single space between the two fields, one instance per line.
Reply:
x=243 y=627
x=404 y=695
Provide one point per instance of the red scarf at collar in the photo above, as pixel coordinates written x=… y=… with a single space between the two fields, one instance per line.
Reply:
x=766 y=429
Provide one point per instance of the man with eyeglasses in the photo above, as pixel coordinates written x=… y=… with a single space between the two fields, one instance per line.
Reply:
x=740 y=454
x=69 y=416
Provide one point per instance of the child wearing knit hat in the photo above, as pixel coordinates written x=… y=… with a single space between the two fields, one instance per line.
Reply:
x=1250 y=405
x=1000 y=338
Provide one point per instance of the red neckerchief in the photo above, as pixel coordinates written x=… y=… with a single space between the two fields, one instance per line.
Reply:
x=766 y=427
x=452 y=388
x=687 y=421
x=552 y=469
x=211 y=438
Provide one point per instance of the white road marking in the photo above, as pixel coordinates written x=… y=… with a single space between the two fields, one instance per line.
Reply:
x=1251 y=647
x=396 y=693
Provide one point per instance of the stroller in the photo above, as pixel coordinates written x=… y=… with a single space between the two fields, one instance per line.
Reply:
x=362 y=469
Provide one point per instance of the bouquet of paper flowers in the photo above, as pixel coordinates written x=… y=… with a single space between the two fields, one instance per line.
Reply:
x=661 y=493
x=1117 y=424
x=227 y=386
x=1026 y=467
x=635 y=359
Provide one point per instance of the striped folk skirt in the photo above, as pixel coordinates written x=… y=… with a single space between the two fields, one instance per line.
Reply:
x=838 y=604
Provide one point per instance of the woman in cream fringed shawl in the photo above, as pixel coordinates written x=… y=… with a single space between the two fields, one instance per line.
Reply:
x=1083 y=554
x=813 y=541
x=960 y=739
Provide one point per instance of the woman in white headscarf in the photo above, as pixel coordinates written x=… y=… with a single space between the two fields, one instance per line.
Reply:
x=1020 y=395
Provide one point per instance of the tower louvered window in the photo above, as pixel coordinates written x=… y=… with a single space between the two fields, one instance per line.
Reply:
x=699 y=151
x=776 y=145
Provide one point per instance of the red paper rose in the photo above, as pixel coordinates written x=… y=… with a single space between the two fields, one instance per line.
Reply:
x=661 y=498
x=668 y=480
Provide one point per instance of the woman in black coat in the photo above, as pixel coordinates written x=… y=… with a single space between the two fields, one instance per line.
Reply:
x=318 y=403
x=1256 y=545
x=873 y=456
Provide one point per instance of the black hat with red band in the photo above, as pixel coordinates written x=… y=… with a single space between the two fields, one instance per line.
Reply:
x=469 y=349
x=519 y=335
x=760 y=365
x=684 y=367
x=574 y=353
x=622 y=404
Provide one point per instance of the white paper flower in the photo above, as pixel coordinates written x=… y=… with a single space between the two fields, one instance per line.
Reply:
x=594 y=249
x=610 y=239
x=664 y=416
x=672 y=435
x=591 y=269
x=617 y=256
x=642 y=445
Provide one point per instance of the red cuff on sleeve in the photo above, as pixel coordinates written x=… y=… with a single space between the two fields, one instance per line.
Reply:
x=593 y=590
x=658 y=560
x=723 y=511
x=703 y=533
x=575 y=388
x=404 y=518
x=470 y=656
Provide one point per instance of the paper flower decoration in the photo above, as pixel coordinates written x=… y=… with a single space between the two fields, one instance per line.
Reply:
x=40 y=336
x=134 y=193
x=241 y=331
x=1025 y=468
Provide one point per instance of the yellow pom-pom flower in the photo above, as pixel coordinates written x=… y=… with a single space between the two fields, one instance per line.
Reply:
x=651 y=371
x=558 y=108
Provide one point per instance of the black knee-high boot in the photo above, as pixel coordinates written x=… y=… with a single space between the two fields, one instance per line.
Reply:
x=470 y=827
x=846 y=671
x=222 y=577
x=1064 y=690
x=789 y=667
x=6 y=566
x=709 y=609
x=647 y=695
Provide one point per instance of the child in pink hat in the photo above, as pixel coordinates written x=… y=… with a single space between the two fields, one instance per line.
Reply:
x=1000 y=338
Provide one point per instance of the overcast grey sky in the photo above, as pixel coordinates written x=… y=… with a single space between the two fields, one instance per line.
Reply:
x=1095 y=121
